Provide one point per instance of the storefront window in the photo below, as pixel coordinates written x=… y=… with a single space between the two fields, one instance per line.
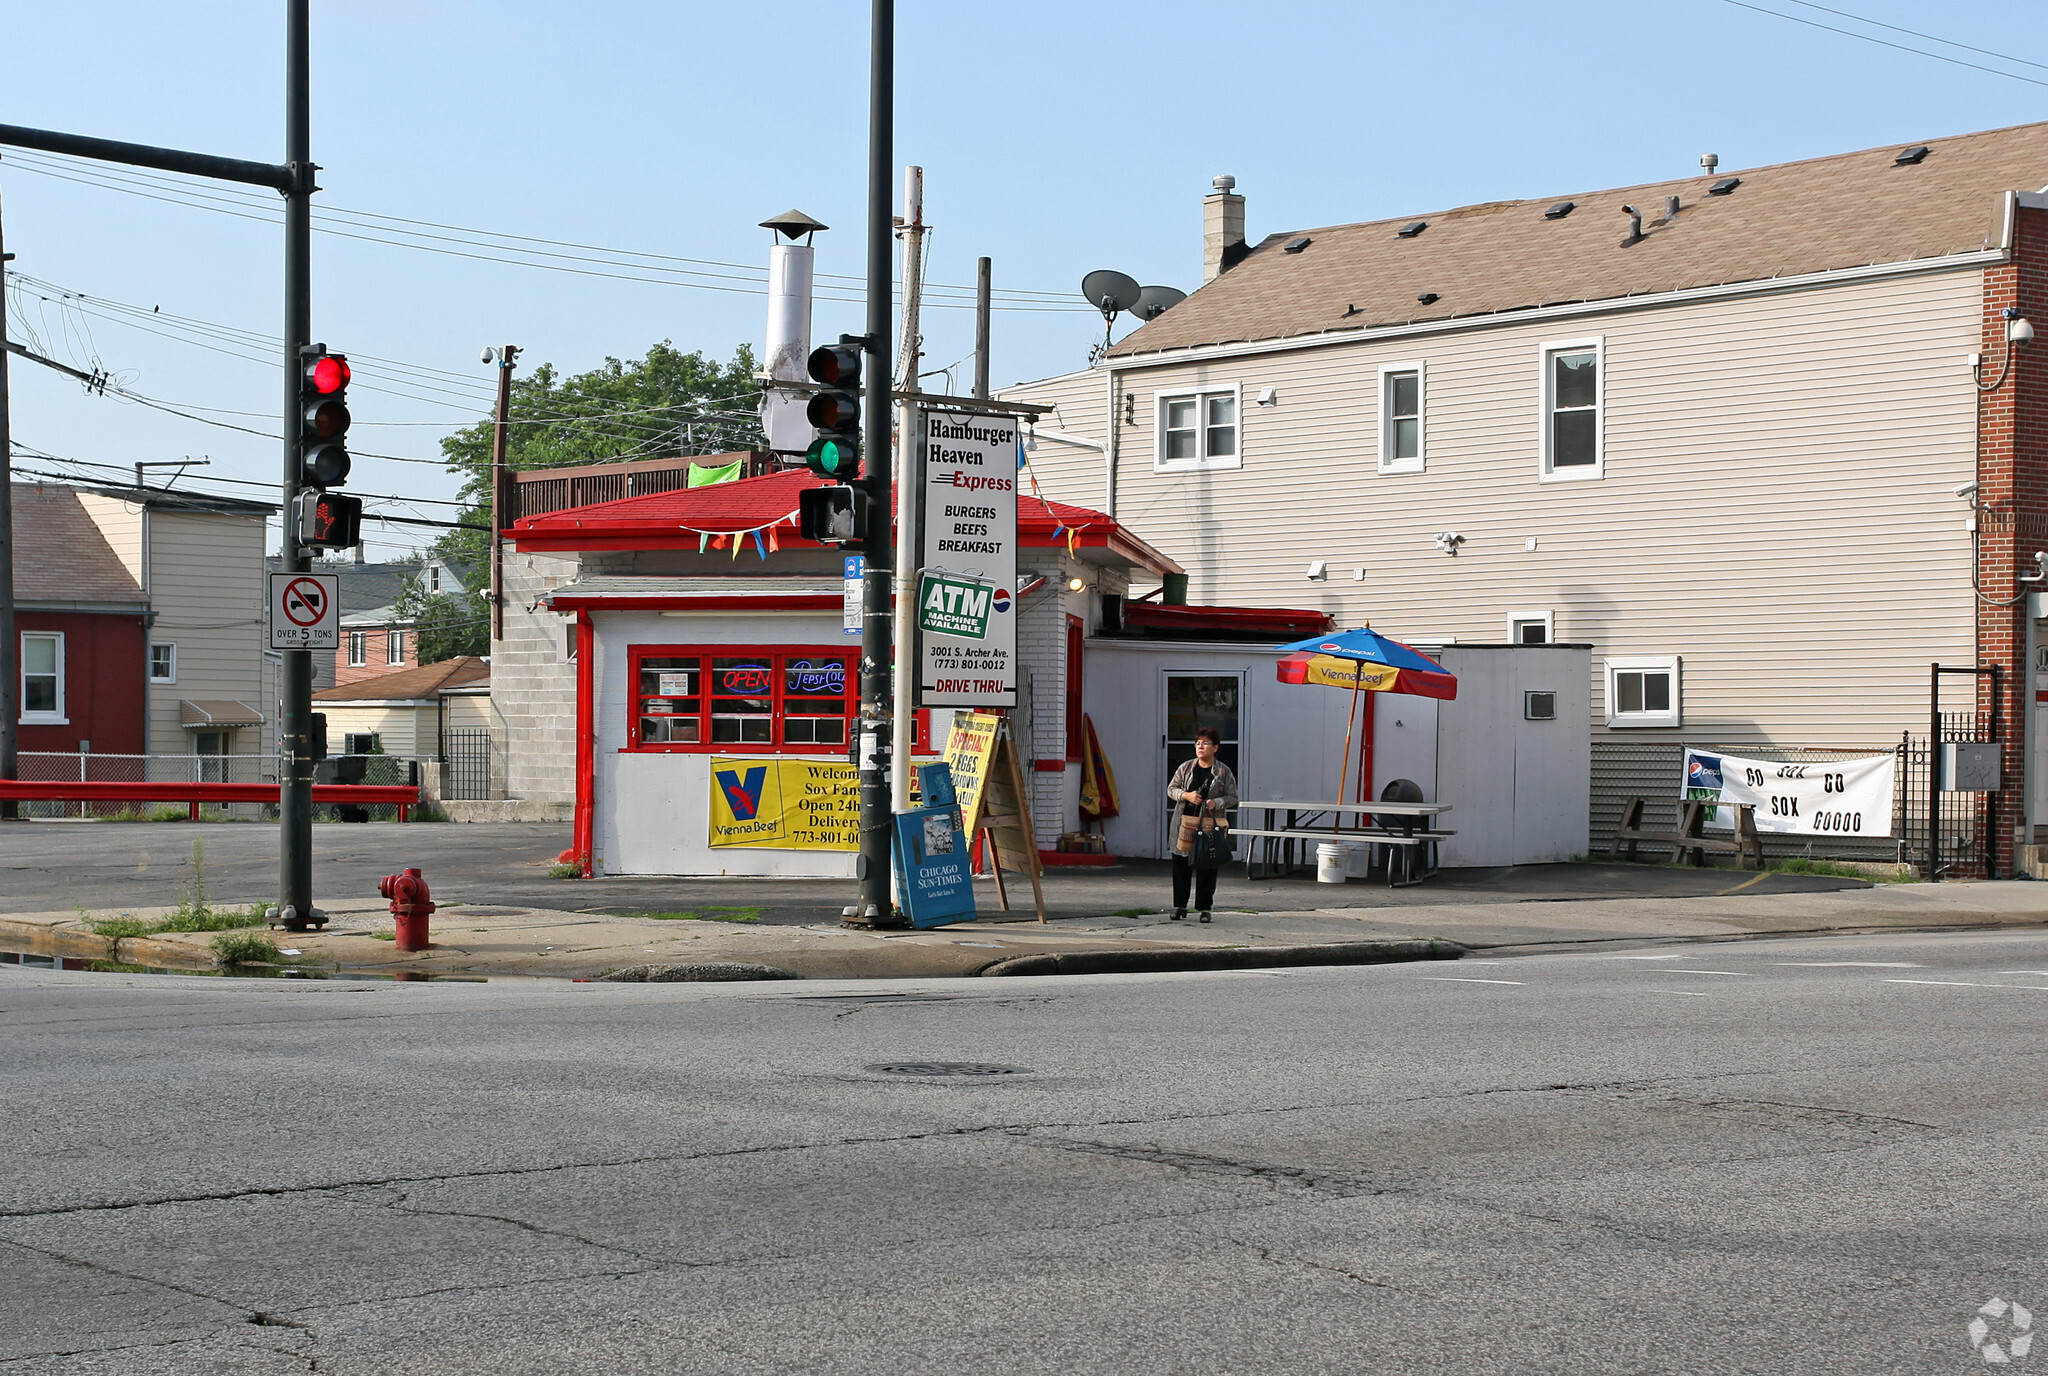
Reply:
x=735 y=698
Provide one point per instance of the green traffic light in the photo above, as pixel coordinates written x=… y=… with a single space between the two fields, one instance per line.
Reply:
x=832 y=457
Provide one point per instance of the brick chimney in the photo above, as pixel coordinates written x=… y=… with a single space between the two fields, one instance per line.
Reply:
x=1222 y=228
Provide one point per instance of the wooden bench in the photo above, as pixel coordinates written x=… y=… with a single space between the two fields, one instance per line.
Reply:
x=404 y=796
x=1688 y=846
x=1374 y=836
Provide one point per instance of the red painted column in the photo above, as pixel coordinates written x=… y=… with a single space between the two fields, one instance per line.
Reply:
x=586 y=738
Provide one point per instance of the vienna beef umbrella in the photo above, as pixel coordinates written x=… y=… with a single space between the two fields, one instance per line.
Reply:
x=1364 y=661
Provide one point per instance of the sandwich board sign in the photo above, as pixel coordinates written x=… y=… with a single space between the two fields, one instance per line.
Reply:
x=969 y=542
x=305 y=611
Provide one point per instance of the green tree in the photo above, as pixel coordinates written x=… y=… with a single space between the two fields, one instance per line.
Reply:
x=665 y=404
x=446 y=624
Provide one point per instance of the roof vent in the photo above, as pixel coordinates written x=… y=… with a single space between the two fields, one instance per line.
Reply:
x=1909 y=156
x=1410 y=231
x=1560 y=210
x=1428 y=298
x=1296 y=245
x=1724 y=186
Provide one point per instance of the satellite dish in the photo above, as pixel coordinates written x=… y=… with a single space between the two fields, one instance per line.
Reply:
x=1110 y=292
x=1154 y=302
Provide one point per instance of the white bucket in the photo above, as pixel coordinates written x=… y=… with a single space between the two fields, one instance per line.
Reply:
x=1330 y=862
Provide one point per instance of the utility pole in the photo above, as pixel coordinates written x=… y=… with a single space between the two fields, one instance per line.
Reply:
x=295 y=754
x=909 y=479
x=10 y=643
x=877 y=695
x=506 y=356
x=981 y=314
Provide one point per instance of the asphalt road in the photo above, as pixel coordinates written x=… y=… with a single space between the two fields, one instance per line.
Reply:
x=49 y=867
x=1819 y=1155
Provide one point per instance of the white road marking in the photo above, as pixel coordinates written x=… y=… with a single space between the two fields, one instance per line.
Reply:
x=1676 y=970
x=1454 y=979
x=2002 y=972
x=1860 y=964
x=1682 y=993
x=1674 y=956
x=1965 y=984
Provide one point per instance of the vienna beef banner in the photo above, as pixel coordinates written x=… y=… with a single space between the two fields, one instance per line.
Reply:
x=1836 y=798
x=785 y=804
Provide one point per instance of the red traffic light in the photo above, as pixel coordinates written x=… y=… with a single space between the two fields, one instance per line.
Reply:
x=328 y=374
x=835 y=365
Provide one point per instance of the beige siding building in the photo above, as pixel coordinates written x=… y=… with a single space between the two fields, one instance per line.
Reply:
x=1723 y=450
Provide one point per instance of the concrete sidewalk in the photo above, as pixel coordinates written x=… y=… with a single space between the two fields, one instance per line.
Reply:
x=505 y=941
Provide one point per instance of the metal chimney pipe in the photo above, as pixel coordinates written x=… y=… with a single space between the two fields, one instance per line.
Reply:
x=788 y=344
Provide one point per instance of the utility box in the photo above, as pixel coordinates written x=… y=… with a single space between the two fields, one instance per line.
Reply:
x=1969 y=767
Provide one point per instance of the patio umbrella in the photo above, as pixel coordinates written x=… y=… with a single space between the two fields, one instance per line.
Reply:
x=1363 y=661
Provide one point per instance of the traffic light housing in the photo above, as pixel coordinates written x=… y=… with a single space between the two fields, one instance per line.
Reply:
x=329 y=520
x=323 y=418
x=834 y=411
x=832 y=515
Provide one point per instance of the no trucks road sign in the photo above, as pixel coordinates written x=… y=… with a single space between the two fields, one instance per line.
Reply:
x=305 y=611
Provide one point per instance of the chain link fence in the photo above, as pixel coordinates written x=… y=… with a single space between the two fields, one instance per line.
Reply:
x=1654 y=772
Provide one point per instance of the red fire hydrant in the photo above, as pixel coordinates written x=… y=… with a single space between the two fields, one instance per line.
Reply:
x=409 y=905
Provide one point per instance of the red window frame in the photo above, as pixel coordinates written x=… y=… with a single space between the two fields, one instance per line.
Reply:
x=777 y=659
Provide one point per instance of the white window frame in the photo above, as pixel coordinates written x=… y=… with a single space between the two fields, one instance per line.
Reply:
x=1521 y=619
x=1200 y=396
x=394 y=645
x=1667 y=664
x=433 y=579
x=1572 y=473
x=358 y=649
x=1388 y=463
x=56 y=718
x=172 y=646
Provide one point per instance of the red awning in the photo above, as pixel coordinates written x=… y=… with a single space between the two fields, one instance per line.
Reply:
x=1276 y=623
x=761 y=513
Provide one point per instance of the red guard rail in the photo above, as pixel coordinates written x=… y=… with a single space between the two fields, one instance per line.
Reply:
x=404 y=796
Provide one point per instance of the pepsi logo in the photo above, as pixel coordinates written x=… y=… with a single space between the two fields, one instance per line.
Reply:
x=1002 y=599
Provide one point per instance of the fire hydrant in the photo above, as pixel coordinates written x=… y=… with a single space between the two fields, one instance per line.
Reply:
x=409 y=905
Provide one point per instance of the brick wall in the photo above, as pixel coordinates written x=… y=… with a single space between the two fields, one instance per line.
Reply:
x=2012 y=489
x=377 y=654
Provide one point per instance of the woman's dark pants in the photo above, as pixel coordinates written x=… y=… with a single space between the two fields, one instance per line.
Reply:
x=1204 y=882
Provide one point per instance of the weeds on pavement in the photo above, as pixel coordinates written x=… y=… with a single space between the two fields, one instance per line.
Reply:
x=245 y=948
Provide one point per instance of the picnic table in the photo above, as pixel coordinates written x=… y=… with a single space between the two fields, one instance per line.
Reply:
x=1404 y=828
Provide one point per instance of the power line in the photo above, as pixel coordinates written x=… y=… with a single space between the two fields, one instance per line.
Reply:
x=1932 y=38
x=1900 y=47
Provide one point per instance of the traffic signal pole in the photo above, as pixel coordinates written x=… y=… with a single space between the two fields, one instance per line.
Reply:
x=295 y=753
x=877 y=694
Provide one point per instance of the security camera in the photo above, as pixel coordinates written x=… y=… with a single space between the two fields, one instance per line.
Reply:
x=1966 y=489
x=487 y=355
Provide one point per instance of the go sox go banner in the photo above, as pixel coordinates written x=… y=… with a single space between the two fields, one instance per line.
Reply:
x=1835 y=798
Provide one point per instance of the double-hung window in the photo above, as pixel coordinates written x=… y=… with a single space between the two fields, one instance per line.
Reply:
x=163 y=662
x=1401 y=418
x=1197 y=430
x=1572 y=405
x=394 y=646
x=358 y=649
x=736 y=698
x=1643 y=691
x=42 y=678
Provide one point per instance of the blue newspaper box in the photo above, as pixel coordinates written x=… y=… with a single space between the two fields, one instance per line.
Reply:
x=933 y=884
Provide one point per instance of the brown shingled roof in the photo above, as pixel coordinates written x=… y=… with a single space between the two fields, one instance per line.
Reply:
x=1844 y=211
x=60 y=557
x=418 y=684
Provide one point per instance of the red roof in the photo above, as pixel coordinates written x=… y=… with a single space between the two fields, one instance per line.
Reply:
x=1278 y=622
x=679 y=519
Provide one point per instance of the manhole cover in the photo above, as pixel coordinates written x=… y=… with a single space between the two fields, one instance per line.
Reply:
x=947 y=1068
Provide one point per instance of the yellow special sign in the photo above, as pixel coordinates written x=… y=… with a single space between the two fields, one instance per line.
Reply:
x=1329 y=671
x=785 y=804
x=968 y=750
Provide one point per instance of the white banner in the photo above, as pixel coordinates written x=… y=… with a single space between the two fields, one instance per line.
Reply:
x=970 y=530
x=1835 y=798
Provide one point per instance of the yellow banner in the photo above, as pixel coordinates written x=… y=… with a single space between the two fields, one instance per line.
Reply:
x=1329 y=671
x=968 y=750
x=785 y=804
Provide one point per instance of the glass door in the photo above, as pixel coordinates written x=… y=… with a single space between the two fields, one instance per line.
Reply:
x=1192 y=702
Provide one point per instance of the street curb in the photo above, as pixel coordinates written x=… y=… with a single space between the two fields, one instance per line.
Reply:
x=1230 y=958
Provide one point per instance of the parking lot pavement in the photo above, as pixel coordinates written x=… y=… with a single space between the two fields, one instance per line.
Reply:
x=55 y=866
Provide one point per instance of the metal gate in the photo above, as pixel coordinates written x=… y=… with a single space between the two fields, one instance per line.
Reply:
x=467 y=771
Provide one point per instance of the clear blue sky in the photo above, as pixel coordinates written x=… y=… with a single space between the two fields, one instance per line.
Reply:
x=1056 y=137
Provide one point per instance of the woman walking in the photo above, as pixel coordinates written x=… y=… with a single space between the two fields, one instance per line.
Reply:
x=1205 y=789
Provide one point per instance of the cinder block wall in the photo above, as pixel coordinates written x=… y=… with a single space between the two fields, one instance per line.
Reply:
x=533 y=685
